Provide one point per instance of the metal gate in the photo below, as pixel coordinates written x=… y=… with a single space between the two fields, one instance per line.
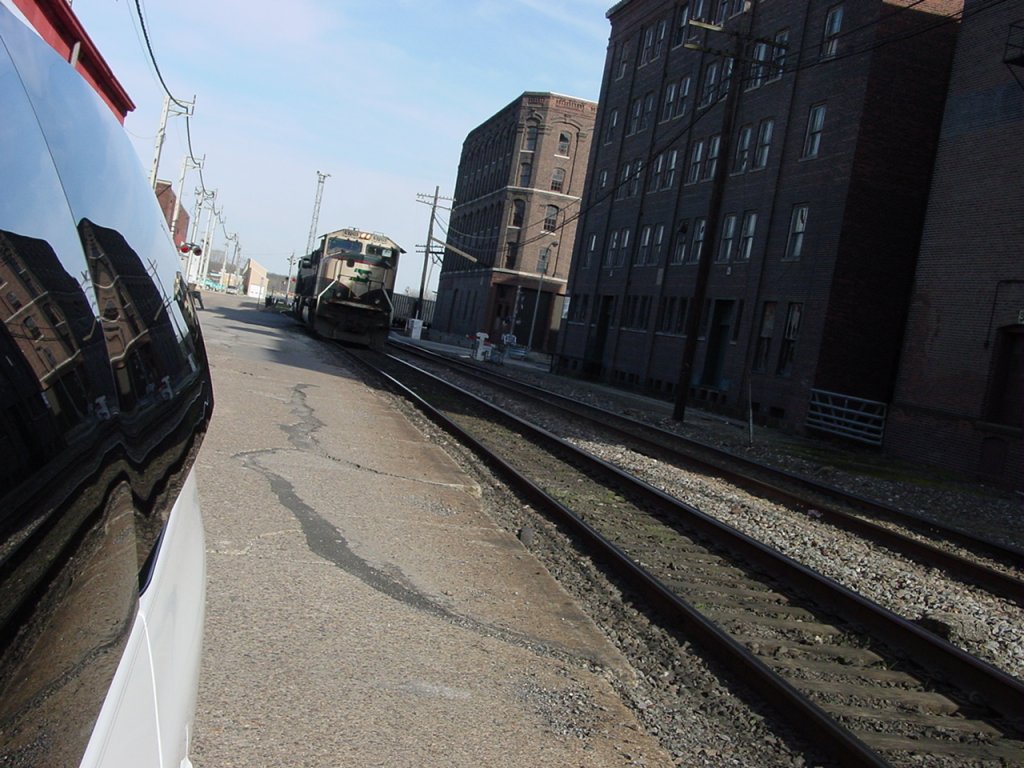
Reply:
x=850 y=417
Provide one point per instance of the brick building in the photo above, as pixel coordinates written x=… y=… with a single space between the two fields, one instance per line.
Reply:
x=521 y=175
x=757 y=189
x=960 y=389
x=169 y=205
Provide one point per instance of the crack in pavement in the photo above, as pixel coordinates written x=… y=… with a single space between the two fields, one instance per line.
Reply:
x=326 y=540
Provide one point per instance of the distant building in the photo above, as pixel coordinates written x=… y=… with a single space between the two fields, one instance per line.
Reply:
x=167 y=199
x=960 y=390
x=786 y=241
x=255 y=281
x=521 y=175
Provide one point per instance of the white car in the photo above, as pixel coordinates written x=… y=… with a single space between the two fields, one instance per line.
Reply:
x=105 y=395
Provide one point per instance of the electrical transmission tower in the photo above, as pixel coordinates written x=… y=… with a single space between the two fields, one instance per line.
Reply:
x=320 y=178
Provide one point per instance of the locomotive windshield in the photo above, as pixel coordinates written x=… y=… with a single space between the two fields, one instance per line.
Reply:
x=343 y=245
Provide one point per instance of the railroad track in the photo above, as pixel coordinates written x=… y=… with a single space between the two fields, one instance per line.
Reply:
x=866 y=686
x=959 y=554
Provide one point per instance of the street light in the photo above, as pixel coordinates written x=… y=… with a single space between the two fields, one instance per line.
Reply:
x=542 y=268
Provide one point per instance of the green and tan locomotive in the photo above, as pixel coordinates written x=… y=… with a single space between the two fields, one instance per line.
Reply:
x=344 y=288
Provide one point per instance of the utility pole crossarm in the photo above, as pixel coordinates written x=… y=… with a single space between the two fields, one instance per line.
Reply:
x=454 y=250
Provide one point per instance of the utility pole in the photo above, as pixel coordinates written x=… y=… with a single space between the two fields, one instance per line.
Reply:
x=204 y=260
x=201 y=197
x=320 y=179
x=185 y=165
x=542 y=268
x=288 y=282
x=707 y=254
x=422 y=198
x=179 y=108
x=426 y=254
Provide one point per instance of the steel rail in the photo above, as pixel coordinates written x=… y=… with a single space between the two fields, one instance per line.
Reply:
x=1001 y=692
x=997 y=582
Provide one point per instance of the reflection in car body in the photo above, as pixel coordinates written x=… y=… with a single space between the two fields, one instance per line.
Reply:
x=104 y=397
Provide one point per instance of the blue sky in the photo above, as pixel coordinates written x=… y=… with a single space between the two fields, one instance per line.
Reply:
x=380 y=94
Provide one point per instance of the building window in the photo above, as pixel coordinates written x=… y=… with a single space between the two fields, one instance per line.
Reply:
x=659 y=243
x=671 y=314
x=682 y=29
x=557 y=179
x=645 y=118
x=747 y=230
x=623 y=248
x=779 y=50
x=602 y=178
x=588 y=256
x=670 y=169
x=764 y=142
x=634 y=179
x=714 y=143
x=612 y=254
x=543 y=260
x=530 y=139
x=31 y=328
x=564 y=141
x=762 y=351
x=613 y=122
x=647 y=51
x=815 y=126
x=728 y=238
x=512 y=255
x=635 y=311
x=721 y=11
x=620 y=190
x=525 y=172
x=787 y=351
x=709 y=87
x=697 y=242
x=741 y=160
x=696 y=160
x=656 y=170
x=518 y=211
x=643 y=252
x=659 y=38
x=623 y=65
x=679 y=252
x=797 y=229
x=550 y=218
x=635 y=110
x=830 y=35
x=758 y=65
x=669 y=101
x=727 y=69
x=683 y=97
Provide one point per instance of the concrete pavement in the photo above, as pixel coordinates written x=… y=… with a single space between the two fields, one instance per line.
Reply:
x=362 y=608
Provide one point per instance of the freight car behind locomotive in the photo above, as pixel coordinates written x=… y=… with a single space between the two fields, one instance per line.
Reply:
x=344 y=288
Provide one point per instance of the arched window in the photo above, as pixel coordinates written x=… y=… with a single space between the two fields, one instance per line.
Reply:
x=530 y=139
x=550 y=218
x=557 y=179
x=518 y=211
x=564 y=140
x=525 y=173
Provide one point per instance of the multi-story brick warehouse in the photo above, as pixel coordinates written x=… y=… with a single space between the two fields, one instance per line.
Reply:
x=517 y=197
x=760 y=184
x=960 y=389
